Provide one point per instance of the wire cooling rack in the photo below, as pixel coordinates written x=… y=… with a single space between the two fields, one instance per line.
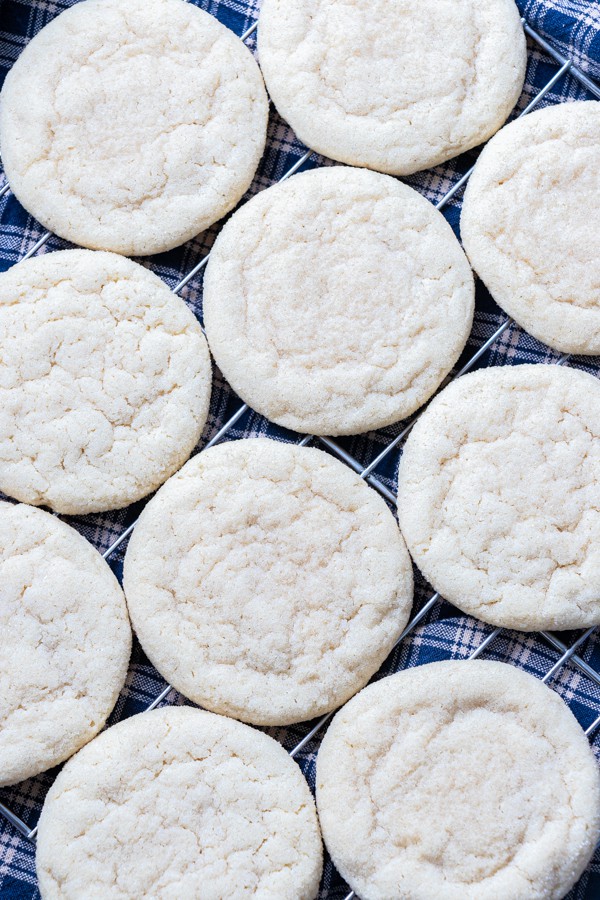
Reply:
x=571 y=663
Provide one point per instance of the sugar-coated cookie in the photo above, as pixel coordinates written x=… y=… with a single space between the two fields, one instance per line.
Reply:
x=267 y=581
x=105 y=380
x=460 y=781
x=65 y=645
x=531 y=227
x=132 y=125
x=393 y=85
x=338 y=301
x=499 y=496
x=179 y=803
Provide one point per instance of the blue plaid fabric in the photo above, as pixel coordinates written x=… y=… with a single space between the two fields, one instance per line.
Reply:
x=573 y=27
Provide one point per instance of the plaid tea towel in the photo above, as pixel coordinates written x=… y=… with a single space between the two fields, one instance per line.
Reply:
x=572 y=27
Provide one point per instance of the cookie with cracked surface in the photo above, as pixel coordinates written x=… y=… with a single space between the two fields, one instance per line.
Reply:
x=132 y=125
x=105 y=381
x=393 y=85
x=267 y=581
x=338 y=301
x=180 y=803
x=462 y=780
x=499 y=496
x=531 y=228
x=65 y=643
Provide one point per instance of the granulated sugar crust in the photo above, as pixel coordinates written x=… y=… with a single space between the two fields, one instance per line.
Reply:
x=65 y=643
x=337 y=302
x=531 y=227
x=132 y=125
x=179 y=803
x=267 y=581
x=460 y=781
x=499 y=496
x=393 y=85
x=105 y=381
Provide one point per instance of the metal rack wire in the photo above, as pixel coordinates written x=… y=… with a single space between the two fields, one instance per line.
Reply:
x=567 y=654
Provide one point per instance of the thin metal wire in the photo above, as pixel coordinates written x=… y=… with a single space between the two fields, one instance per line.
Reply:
x=14 y=820
x=250 y=31
x=4 y=189
x=162 y=696
x=575 y=71
x=568 y=654
x=576 y=660
x=354 y=464
x=40 y=243
x=485 y=643
x=591 y=728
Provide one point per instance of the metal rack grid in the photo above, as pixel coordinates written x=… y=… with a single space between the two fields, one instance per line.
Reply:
x=567 y=654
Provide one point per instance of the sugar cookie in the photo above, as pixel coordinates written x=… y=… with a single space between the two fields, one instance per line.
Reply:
x=499 y=496
x=132 y=125
x=459 y=781
x=531 y=227
x=179 y=803
x=267 y=581
x=393 y=85
x=338 y=301
x=65 y=643
x=105 y=381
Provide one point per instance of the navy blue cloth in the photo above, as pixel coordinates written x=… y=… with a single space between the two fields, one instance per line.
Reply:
x=573 y=27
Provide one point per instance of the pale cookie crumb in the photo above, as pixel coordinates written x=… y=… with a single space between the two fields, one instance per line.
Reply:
x=179 y=803
x=132 y=125
x=337 y=302
x=393 y=85
x=65 y=642
x=105 y=380
x=267 y=581
x=458 y=781
x=531 y=226
x=499 y=496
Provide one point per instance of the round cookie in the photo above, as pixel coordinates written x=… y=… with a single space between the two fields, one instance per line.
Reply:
x=65 y=643
x=499 y=496
x=531 y=228
x=267 y=581
x=460 y=781
x=393 y=85
x=337 y=302
x=132 y=125
x=180 y=803
x=105 y=381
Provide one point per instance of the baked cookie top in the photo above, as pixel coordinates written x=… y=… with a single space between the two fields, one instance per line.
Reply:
x=179 y=803
x=531 y=228
x=460 y=781
x=105 y=380
x=338 y=301
x=132 y=125
x=393 y=85
x=267 y=581
x=65 y=643
x=499 y=496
